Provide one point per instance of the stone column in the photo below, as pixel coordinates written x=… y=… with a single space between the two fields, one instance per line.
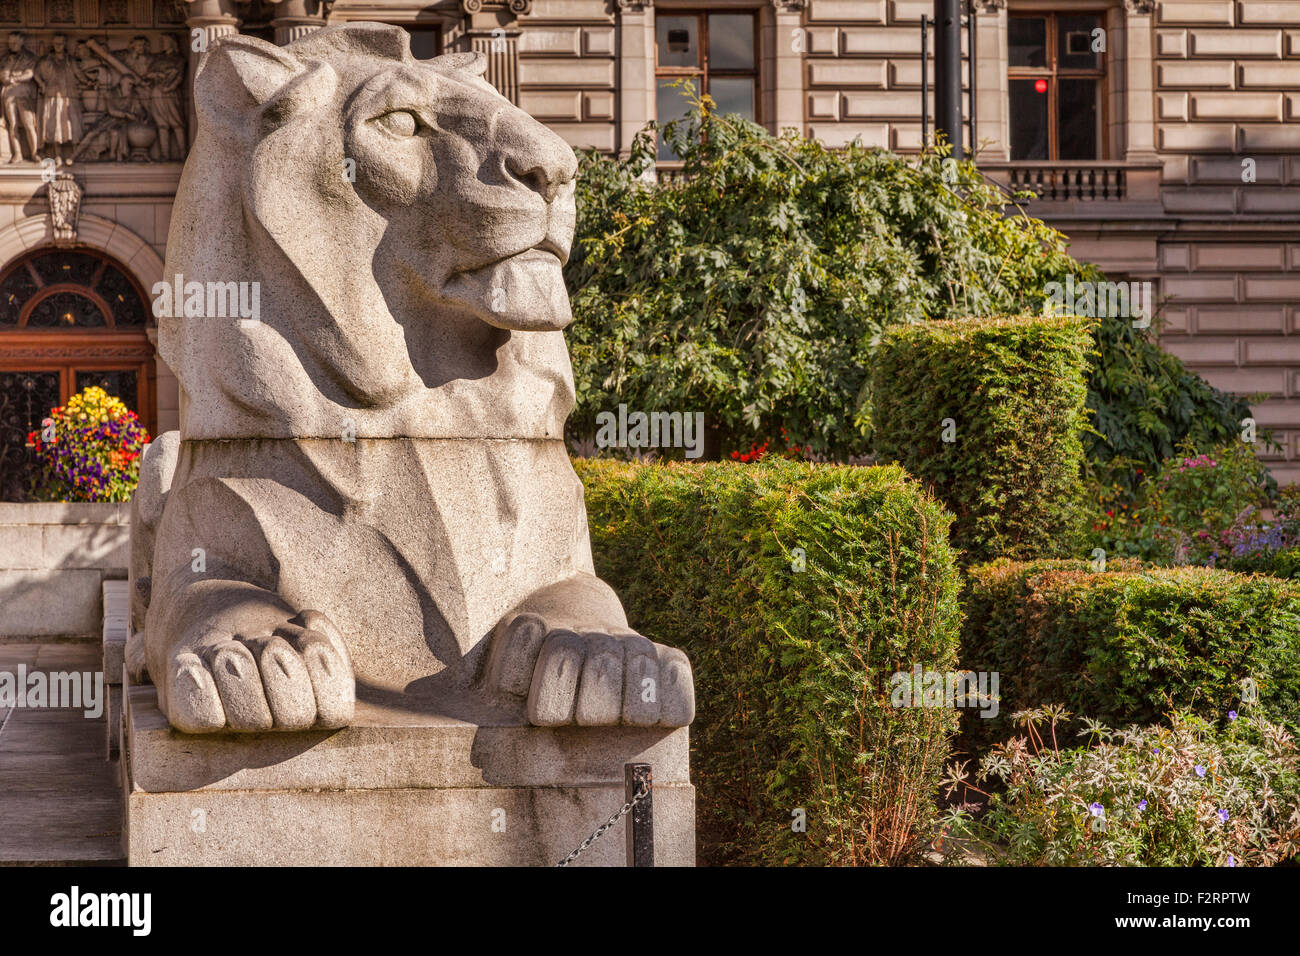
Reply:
x=783 y=69
x=636 y=69
x=297 y=18
x=492 y=28
x=208 y=20
x=1139 y=84
x=991 y=92
x=501 y=47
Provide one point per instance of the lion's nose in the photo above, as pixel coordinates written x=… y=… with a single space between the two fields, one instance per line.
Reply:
x=542 y=177
x=543 y=165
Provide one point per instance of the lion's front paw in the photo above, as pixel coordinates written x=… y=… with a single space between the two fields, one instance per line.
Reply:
x=297 y=677
x=590 y=679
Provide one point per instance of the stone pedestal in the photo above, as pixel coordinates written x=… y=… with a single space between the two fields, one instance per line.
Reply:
x=397 y=788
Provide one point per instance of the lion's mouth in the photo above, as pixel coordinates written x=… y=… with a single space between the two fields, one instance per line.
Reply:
x=524 y=291
x=545 y=251
x=535 y=254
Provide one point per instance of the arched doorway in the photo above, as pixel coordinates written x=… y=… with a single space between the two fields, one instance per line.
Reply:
x=69 y=318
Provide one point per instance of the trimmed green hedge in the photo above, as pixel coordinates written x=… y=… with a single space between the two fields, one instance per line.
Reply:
x=1128 y=644
x=990 y=413
x=797 y=590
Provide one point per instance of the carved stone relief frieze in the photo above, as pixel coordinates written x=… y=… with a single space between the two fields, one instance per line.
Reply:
x=92 y=96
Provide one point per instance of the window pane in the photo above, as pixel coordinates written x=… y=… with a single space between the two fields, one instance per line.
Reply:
x=1028 y=120
x=1027 y=41
x=1077 y=105
x=733 y=94
x=64 y=310
x=25 y=399
x=128 y=310
x=670 y=104
x=424 y=42
x=120 y=383
x=14 y=293
x=1075 y=41
x=731 y=41
x=678 y=40
x=66 y=267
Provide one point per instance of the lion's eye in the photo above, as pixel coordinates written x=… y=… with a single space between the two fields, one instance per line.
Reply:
x=399 y=123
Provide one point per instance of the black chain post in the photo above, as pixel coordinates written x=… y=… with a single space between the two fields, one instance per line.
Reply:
x=640 y=824
x=638 y=780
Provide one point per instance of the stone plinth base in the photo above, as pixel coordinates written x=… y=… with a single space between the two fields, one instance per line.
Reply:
x=398 y=788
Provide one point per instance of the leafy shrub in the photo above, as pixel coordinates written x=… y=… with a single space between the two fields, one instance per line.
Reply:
x=94 y=449
x=1182 y=795
x=1269 y=547
x=797 y=591
x=1197 y=510
x=1279 y=562
x=1129 y=644
x=1146 y=404
x=1009 y=464
x=1116 y=523
x=756 y=287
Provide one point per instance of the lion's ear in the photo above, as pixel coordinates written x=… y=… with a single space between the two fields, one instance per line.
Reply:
x=241 y=66
x=474 y=63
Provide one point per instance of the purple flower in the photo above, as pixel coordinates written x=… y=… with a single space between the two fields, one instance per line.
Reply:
x=1142 y=805
x=1200 y=771
x=1232 y=860
x=1097 y=809
x=1232 y=715
x=1222 y=815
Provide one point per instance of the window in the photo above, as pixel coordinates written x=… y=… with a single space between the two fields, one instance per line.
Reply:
x=68 y=319
x=1056 y=73
x=716 y=51
x=426 y=40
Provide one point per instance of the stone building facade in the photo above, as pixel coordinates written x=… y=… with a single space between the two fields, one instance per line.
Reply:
x=1169 y=151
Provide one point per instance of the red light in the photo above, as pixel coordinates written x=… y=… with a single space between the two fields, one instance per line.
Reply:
x=1040 y=86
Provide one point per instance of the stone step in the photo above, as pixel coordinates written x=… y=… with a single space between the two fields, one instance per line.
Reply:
x=117 y=630
x=60 y=800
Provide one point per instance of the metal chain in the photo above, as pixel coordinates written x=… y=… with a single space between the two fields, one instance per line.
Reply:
x=601 y=830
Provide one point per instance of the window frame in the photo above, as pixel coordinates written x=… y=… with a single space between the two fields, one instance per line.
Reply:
x=702 y=72
x=1053 y=73
x=79 y=349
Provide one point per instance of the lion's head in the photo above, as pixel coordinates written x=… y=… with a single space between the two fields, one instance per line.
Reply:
x=407 y=226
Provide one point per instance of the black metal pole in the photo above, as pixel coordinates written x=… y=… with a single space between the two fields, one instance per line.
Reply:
x=640 y=821
x=947 y=72
x=970 y=83
x=925 y=80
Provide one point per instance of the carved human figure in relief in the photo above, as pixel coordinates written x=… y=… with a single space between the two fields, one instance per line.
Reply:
x=166 y=74
x=87 y=62
x=59 y=78
x=123 y=107
x=138 y=57
x=370 y=491
x=18 y=98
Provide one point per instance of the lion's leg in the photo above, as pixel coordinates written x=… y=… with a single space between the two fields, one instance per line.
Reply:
x=157 y=467
x=234 y=656
x=225 y=650
x=568 y=655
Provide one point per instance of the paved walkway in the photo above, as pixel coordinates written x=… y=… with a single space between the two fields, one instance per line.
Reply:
x=59 y=796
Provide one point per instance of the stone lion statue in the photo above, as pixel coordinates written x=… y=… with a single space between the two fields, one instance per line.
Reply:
x=370 y=494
